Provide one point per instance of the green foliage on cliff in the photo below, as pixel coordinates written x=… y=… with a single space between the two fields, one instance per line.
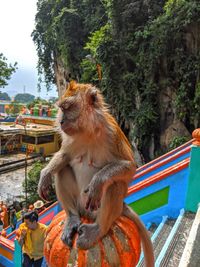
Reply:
x=143 y=48
x=62 y=28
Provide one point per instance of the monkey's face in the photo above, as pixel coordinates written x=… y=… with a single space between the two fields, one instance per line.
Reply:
x=69 y=115
x=79 y=109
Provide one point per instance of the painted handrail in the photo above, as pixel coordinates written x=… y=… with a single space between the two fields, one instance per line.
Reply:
x=163 y=162
x=7 y=243
x=159 y=176
x=168 y=154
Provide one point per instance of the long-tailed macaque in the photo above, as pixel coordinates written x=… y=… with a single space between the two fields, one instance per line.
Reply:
x=92 y=169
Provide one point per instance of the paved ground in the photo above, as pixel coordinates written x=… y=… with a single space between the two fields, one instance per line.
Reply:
x=11 y=182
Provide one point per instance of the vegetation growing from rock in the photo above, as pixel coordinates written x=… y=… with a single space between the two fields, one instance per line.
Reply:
x=149 y=56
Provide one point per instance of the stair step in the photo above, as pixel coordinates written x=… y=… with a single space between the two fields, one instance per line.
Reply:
x=154 y=231
x=169 y=239
x=191 y=255
x=166 y=244
x=175 y=249
x=162 y=237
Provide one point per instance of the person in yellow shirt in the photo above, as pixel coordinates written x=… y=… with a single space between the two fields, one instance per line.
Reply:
x=32 y=236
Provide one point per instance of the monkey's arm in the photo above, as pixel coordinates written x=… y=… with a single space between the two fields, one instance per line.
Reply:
x=122 y=170
x=59 y=160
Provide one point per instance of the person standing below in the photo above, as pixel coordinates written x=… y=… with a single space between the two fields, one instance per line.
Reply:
x=31 y=238
x=1 y=224
x=23 y=211
x=39 y=206
x=4 y=215
x=13 y=219
x=30 y=207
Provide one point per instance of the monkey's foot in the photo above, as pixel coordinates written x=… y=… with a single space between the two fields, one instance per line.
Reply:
x=89 y=234
x=70 y=229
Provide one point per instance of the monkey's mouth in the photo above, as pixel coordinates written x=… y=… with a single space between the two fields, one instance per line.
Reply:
x=64 y=125
x=67 y=127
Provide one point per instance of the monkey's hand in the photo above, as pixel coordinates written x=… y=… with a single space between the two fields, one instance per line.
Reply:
x=94 y=192
x=45 y=184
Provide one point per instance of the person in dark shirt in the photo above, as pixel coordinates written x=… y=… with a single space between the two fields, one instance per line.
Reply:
x=13 y=219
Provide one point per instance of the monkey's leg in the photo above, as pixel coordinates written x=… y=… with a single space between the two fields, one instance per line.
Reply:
x=110 y=209
x=68 y=195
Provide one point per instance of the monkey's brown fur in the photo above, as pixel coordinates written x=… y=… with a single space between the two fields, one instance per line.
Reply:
x=92 y=169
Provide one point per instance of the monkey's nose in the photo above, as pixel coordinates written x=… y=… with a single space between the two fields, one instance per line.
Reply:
x=62 y=121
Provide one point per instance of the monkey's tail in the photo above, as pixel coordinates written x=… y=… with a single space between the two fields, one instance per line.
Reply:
x=145 y=238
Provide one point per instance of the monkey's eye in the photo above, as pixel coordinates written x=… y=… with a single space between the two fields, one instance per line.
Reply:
x=93 y=97
x=67 y=103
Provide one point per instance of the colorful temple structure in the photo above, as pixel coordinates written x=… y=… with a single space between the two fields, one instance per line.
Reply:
x=35 y=134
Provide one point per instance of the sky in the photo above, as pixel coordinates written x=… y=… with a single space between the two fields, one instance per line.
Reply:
x=17 y=21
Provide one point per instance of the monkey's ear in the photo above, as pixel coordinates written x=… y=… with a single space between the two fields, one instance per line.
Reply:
x=72 y=85
x=93 y=96
x=70 y=88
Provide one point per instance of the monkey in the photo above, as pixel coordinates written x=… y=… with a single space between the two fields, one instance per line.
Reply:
x=92 y=169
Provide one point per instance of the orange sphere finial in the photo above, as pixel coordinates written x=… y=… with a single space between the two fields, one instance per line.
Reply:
x=196 y=136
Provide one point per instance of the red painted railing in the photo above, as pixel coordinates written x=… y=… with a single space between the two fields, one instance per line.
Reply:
x=159 y=176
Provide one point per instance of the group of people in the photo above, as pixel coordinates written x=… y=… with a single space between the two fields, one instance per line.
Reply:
x=8 y=214
x=30 y=234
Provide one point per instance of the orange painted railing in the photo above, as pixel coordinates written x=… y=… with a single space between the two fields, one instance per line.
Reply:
x=159 y=176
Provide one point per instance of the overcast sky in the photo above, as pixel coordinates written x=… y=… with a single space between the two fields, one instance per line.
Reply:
x=16 y=25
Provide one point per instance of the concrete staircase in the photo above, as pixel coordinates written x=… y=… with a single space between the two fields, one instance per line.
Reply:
x=176 y=242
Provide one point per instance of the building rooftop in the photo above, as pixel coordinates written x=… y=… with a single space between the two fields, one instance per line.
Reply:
x=31 y=128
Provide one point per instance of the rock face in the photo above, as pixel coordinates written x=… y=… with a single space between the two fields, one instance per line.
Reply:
x=170 y=126
x=176 y=129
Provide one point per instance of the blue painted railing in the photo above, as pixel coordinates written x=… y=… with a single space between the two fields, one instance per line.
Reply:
x=177 y=183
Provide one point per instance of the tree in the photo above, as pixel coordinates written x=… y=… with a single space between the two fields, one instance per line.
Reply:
x=24 y=98
x=32 y=182
x=4 y=96
x=62 y=29
x=5 y=70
